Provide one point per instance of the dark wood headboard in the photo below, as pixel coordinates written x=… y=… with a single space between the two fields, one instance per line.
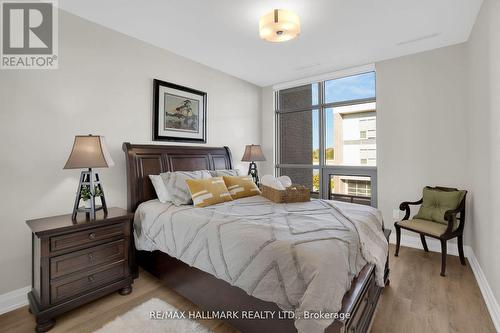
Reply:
x=145 y=160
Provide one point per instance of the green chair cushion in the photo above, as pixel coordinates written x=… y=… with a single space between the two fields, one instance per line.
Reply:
x=429 y=227
x=435 y=203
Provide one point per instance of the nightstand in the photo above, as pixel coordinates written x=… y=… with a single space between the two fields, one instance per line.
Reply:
x=76 y=262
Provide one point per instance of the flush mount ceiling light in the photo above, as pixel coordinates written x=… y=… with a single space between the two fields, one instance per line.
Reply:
x=279 y=25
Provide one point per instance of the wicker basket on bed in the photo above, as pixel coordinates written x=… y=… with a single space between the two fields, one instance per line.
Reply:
x=294 y=193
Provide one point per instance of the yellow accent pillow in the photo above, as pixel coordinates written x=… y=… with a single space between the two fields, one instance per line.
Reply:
x=241 y=186
x=206 y=192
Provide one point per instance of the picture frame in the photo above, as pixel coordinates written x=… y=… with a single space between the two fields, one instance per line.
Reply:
x=179 y=113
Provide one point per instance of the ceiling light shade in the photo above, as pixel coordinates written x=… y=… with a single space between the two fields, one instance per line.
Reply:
x=279 y=25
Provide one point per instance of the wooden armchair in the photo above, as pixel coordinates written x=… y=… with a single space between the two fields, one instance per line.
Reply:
x=452 y=226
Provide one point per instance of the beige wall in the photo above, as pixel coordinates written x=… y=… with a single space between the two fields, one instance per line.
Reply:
x=103 y=86
x=421 y=125
x=483 y=121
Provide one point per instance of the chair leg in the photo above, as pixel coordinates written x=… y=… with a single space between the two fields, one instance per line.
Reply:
x=461 y=249
x=443 y=257
x=398 y=239
x=424 y=243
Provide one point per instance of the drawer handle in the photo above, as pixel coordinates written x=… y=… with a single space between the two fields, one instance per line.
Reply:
x=91 y=278
x=91 y=257
x=92 y=236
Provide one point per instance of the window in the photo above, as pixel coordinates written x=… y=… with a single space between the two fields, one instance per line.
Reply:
x=350 y=88
x=327 y=130
x=346 y=129
x=299 y=137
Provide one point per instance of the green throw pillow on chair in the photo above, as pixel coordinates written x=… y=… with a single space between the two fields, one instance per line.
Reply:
x=435 y=203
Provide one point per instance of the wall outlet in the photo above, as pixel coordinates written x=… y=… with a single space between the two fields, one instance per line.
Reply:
x=396 y=214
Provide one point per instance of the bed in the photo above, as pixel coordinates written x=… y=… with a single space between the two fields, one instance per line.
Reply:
x=211 y=293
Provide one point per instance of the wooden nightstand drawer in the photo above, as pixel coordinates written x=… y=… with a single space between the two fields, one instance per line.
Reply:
x=78 y=283
x=85 y=237
x=87 y=258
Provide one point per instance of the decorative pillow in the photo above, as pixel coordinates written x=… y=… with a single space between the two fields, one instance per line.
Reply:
x=175 y=183
x=435 y=203
x=226 y=172
x=160 y=189
x=206 y=192
x=241 y=186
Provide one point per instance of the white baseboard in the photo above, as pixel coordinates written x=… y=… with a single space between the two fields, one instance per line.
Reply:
x=435 y=246
x=14 y=299
x=489 y=297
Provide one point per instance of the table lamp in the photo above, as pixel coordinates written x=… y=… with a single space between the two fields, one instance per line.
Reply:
x=253 y=153
x=89 y=151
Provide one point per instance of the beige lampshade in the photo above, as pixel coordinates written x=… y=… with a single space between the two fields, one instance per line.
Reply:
x=89 y=151
x=253 y=153
x=279 y=25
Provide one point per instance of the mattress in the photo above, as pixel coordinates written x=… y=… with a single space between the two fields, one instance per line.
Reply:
x=301 y=256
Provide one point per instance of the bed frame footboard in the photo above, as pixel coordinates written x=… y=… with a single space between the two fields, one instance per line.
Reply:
x=213 y=294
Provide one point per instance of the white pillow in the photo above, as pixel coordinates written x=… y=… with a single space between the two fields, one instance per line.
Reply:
x=175 y=183
x=285 y=181
x=226 y=172
x=271 y=181
x=160 y=189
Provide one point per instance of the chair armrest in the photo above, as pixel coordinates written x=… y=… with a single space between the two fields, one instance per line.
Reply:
x=451 y=215
x=406 y=207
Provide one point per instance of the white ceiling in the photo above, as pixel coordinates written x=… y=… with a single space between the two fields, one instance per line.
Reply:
x=336 y=34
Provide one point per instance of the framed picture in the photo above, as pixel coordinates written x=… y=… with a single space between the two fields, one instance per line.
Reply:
x=179 y=114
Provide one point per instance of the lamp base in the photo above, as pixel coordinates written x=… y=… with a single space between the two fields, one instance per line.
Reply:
x=87 y=180
x=252 y=171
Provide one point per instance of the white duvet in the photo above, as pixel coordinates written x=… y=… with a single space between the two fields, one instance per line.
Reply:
x=301 y=256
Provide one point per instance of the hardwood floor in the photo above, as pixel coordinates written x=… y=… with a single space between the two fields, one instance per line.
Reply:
x=420 y=300
x=417 y=300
